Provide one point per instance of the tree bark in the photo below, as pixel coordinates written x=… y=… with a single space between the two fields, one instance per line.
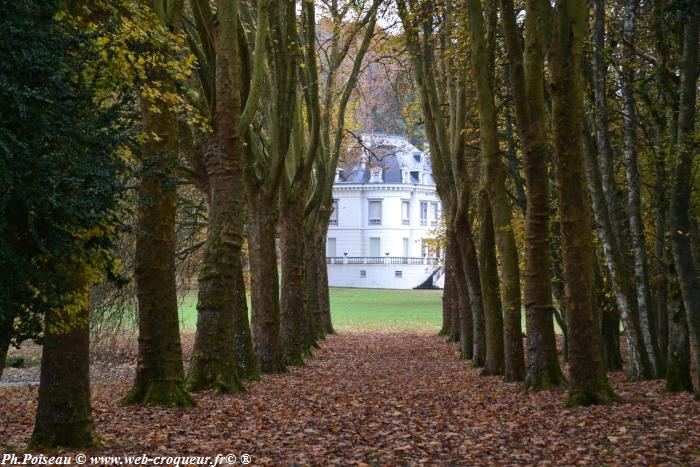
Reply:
x=470 y=271
x=293 y=304
x=222 y=352
x=645 y=309
x=661 y=259
x=449 y=295
x=588 y=381
x=64 y=415
x=464 y=316
x=6 y=329
x=313 y=324
x=527 y=80
x=488 y=274
x=264 y=284
x=678 y=377
x=159 y=373
x=607 y=168
x=324 y=298
x=609 y=322
x=495 y=174
x=686 y=268
x=638 y=360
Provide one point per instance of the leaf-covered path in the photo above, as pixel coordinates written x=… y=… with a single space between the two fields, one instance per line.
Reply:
x=390 y=399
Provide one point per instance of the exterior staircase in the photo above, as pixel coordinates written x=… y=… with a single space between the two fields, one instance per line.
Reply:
x=430 y=282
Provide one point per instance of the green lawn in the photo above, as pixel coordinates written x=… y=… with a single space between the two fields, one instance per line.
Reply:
x=373 y=309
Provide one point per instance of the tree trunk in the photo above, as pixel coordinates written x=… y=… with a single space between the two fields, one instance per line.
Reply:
x=589 y=384
x=159 y=373
x=609 y=322
x=678 y=370
x=465 y=319
x=293 y=296
x=264 y=284
x=6 y=329
x=638 y=360
x=313 y=324
x=634 y=210
x=64 y=415
x=449 y=297
x=470 y=271
x=527 y=80
x=686 y=268
x=324 y=298
x=661 y=258
x=488 y=274
x=607 y=167
x=222 y=351
x=495 y=174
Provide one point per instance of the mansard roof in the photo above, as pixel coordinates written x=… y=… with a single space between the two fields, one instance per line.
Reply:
x=389 y=152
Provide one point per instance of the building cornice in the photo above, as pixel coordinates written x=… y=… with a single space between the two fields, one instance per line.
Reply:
x=385 y=187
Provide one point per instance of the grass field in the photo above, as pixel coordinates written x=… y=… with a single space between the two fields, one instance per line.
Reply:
x=368 y=309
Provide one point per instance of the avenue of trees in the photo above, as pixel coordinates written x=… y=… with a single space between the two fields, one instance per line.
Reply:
x=134 y=134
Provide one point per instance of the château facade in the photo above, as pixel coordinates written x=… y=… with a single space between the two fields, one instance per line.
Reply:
x=385 y=207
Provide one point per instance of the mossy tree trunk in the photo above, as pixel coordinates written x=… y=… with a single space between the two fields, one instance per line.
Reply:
x=6 y=330
x=222 y=352
x=262 y=222
x=686 y=267
x=312 y=330
x=159 y=372
x=64 y=416
x=293 y=305
x=588 y=381
x=488 y=273
x=495 y=175
x=470 y=271
x=466 y=318
x=449 y=297
x=678 y=377
x=527 y=79
x=324 y=298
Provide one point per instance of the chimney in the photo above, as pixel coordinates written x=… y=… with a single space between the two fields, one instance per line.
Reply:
x=376 y=175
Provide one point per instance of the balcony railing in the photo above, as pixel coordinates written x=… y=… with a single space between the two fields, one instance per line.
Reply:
x=381 y=260
x=333 y=222
x=375 y=222
x=424 y=222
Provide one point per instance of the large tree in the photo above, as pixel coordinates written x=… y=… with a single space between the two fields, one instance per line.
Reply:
x=222 y=353
x=686 y=267
x=588 y=381
x=159 y=373
x=527 y=82
x=56 y=144
x=495 y=178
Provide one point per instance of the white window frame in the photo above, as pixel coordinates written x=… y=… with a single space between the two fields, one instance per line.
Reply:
x=433 y=213
x=424 y=208
x=334 y=213
x=374 y=220
x=406 y=212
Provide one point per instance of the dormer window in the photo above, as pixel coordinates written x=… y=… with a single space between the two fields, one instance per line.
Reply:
x=376 y=175
x=417 y=156
x=416 y=176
